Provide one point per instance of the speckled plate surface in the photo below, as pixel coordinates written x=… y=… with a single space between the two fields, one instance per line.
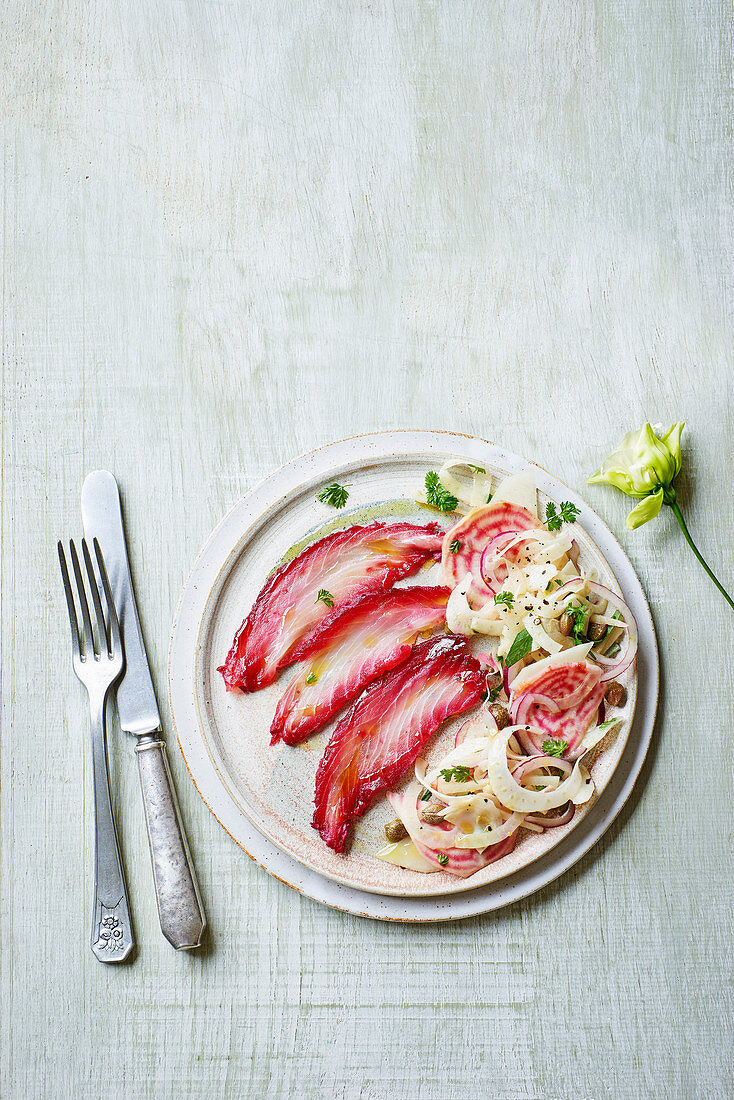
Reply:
x=256 y=790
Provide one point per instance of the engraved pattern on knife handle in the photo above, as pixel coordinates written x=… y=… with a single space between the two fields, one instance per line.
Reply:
x=177 y=895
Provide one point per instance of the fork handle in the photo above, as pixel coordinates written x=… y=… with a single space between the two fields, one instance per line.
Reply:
x=179 y=905
x=112 y=936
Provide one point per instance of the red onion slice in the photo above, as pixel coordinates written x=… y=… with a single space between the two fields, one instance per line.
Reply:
x=566 y=589
x=614 y=666
x=521 y=705
x=552 y=822
x=490 y=558
x=524 y=738
x=541 y=761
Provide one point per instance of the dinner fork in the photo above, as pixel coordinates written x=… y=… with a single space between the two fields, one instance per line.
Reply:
x=98 y=661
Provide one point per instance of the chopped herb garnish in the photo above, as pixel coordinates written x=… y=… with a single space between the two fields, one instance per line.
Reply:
x=476 y=469
x=438 y=496
x=559 y=582
x=325 y=597
x=567 y=514
x=520 y=648
x=555 y=747
x=425 y=796
x=494 y=692
x=489 y=497
x=455 y=546
x=460 y=774
x=334 y=494
x=442 y=858
x=609 y=722
x=577 y=615
x=311 y=678
x=505 y=598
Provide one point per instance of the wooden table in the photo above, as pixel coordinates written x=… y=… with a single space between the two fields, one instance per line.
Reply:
x=231 y=233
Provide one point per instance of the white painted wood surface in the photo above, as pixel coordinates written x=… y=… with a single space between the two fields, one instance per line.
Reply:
x=232 y=232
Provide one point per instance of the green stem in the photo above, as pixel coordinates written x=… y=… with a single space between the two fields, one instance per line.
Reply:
x=682 y=524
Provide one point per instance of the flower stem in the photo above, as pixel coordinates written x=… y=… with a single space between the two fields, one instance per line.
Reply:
x=682 y=524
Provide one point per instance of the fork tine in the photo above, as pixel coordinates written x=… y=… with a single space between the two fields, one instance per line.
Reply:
x=69 y=600
x=88 y=635
x=104 y=643
x=114 y=624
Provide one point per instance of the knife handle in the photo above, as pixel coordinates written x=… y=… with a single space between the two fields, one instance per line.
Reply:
x=177 y=895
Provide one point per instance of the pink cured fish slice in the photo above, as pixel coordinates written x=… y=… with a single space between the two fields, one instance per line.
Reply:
x=386 y=728
x=473 y=534
x=371 y=635
x=346 y=564
x=569 y=725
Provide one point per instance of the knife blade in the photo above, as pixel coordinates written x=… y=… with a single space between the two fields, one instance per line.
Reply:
x=137 y=707
x=180 y=910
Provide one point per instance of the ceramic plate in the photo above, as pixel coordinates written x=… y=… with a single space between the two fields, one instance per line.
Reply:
x=256 y=789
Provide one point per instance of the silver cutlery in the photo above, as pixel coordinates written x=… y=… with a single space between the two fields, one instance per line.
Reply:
x=98 y=661
x=180 y=910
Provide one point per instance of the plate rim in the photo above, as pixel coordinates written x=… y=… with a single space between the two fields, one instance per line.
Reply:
x=286 y=868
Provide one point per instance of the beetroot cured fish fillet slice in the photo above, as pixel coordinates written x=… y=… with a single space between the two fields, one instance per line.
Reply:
x=372 y=634
x=385 y=729
x=344 y=565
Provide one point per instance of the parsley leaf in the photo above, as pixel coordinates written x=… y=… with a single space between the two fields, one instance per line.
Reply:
x=567 y=514
x=609 y=722
x=334 y=494
x=438 y=496
x=311 y=678
x=576 y=614
x=325 y=597
x=442 y=858
x=555 y=747
x=455 y=546
x=460 y=774
x=520 y=648
x=505 y=598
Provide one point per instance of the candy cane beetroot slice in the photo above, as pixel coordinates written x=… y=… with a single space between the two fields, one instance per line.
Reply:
x=461 y=862
x=560 y=682
x=385 y=729
x=472 y=534
x=345 y=564
x=372 y=634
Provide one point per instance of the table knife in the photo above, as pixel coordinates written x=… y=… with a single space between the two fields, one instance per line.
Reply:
x=177 y=895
